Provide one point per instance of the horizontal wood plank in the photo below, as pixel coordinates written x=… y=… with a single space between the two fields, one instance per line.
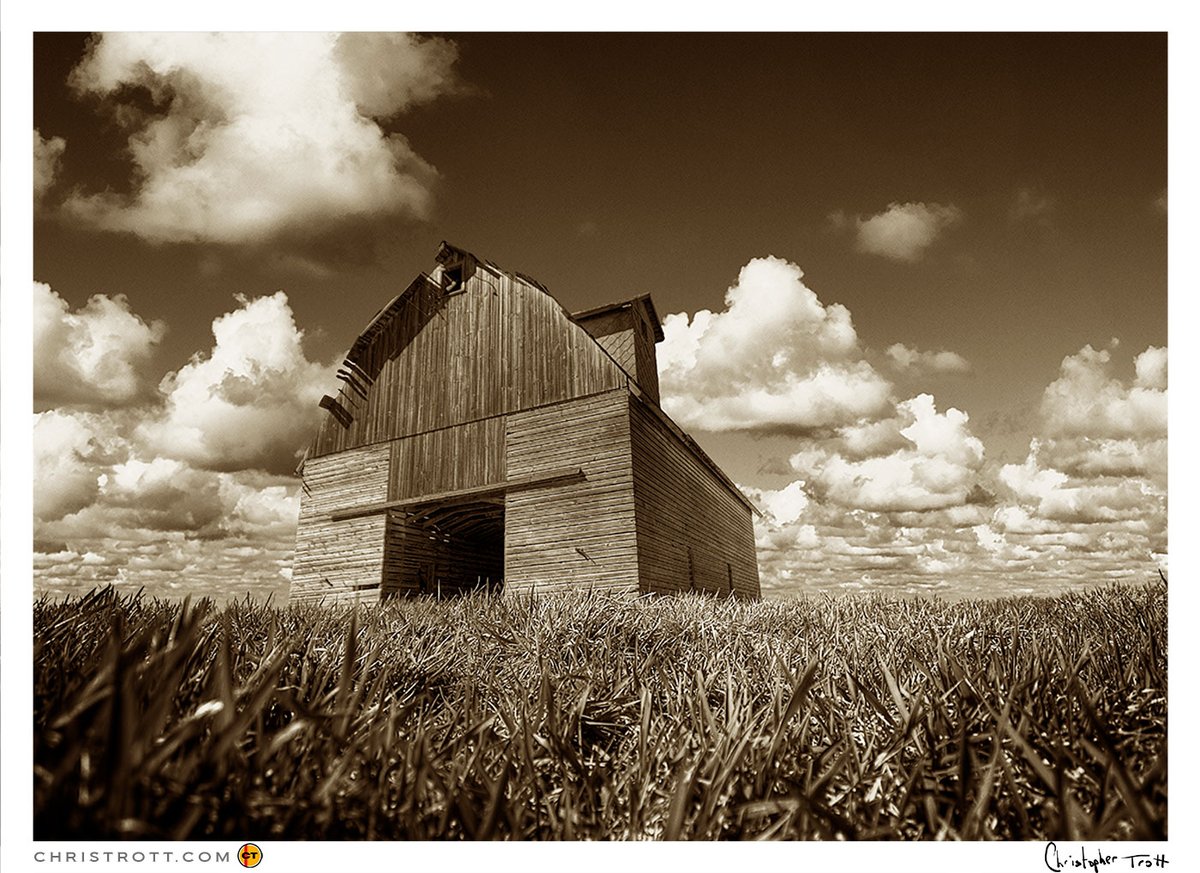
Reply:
x=518 y=483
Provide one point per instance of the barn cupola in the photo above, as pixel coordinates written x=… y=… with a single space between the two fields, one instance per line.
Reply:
x=455 y=267
x=628 y=331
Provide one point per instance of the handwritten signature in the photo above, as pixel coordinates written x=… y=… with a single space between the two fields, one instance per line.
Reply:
x=1062 y=859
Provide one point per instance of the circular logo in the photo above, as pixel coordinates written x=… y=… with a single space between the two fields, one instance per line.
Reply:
x=249 y=855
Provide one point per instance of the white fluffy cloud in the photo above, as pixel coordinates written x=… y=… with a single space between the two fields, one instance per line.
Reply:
x=47 y=154
x=1095 y=481
x=1088 y=401
x=64 y=463
x=261 y=132
x=776 y=359
x=906 y=503
x=251 y=402
x=935 y=467
x=912 y=360
x=881 y=489
x=904 y=231
x=181 y=489
x=168 y=527
x=92 y=357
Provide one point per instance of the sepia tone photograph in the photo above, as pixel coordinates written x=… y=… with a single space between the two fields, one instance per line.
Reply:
x=600 y=436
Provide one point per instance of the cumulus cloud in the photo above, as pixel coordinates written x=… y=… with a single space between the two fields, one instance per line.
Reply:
x=785 y=505
x=1056 y=496
x=904 y=231
x=912 y=360
x=907 y=503
x=776 y=359
x=254 y=134
x=47 y=154
x=251 y=402
x=180 y=489
x=934 y=468
x=1086 y=400
x=94 y=356
x=64 y=460
x=168 y=527
x=1092 y=490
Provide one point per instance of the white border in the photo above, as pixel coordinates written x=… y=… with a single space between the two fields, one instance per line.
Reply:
x=21 y=19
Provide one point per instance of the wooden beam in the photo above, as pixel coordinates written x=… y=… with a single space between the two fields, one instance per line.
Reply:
x=466 y=495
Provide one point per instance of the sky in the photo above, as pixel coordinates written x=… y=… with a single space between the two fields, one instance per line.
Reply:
x=914 y=287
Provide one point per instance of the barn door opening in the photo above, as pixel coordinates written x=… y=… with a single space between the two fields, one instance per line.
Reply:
x=446 y=549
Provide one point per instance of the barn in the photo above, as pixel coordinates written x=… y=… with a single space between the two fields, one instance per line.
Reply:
x=483 y=436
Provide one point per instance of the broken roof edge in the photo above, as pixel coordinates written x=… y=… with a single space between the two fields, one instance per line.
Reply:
x=386 y=312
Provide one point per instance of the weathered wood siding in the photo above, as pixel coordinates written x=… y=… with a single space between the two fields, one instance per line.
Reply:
x=645 y=357
x=628 y=335
x=693 y=533
x=338 y=560
x=578 y=535
x=462 y=456
x=620 y=344
x=439 y=360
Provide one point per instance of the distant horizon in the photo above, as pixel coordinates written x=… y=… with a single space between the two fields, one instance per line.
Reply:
x=913 y=287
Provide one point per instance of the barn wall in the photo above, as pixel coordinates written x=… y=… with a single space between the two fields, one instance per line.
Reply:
x=620 y=344
x=451 y=459
x=692 y=532
x=645 y=357
x=498 y=346
x=580 y=534
x=338 y=560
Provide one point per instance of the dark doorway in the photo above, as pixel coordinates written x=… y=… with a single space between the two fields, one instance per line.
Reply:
x=445 y=549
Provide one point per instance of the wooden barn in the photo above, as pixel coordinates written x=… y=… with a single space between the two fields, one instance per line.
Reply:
x=484 y=436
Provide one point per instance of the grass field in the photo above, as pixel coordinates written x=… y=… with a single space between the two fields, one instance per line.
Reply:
x=604 y=717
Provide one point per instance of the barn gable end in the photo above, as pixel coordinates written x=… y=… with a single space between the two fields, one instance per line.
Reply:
x=484 y=436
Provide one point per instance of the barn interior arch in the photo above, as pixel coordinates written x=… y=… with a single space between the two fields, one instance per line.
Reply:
x=445 y=547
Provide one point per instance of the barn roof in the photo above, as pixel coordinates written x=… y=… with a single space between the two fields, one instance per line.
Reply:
x=448 y=253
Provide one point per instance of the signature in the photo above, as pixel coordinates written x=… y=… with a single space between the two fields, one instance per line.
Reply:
x=1097 y=858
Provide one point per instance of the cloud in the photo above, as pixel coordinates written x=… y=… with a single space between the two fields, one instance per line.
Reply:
x=170 y=528
x=1031 y=205
x=904 y=231
x=1102 y=449
x=908 y=504
x=785 y=505
x=251 y=402
x=257 y=134
x=388 y=73
x=935 y=466
x=94 y=356
x=1093 y=486
x=1051 y=494
x=911 y=360
x=64 y=454
x=1086 y=400
x=776 y=359
x=181 y=489
x=47 y=154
